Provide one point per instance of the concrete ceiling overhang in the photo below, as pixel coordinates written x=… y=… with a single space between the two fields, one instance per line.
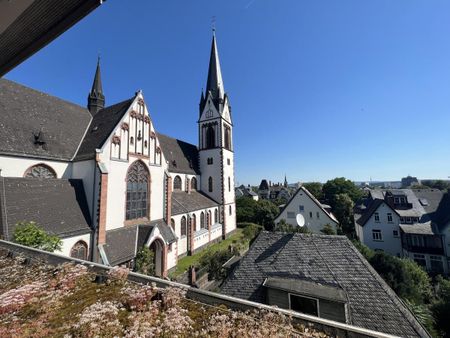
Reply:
x=26 y=26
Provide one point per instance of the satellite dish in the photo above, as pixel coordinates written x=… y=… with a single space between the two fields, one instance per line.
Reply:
x=300 y=220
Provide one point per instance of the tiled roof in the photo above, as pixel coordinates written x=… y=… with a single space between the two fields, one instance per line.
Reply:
x=120 y=245
x=25 y=112
x=328 y=260
x=58 y=205
x=101 y=127
x=182 y=202
x=182 y=156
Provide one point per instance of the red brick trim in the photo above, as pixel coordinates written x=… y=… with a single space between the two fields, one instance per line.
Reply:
x=102 y=209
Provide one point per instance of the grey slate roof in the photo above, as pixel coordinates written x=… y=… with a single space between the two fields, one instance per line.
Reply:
x=58 y=205
x=101 y=127
x=25 y=112
x=331 y=261
x=182 y=156
x=182 y=202
x=120 y=245
x=145 y=230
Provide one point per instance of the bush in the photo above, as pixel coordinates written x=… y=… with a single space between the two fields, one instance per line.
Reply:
x=32 y=235
x=328 y=230
x=286 y=227
x=251 y=231
x=213 y=262
x=145 y=261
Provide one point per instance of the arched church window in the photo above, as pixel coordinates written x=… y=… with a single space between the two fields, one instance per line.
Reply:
x=79 y=250
x=202 y=220
x=183 y=226
x=229 y=183
x=227 y=138
x=177 y=183
x=172 y=224
x=194 y=222
x=210 y=184
x=210 y=137
x=231 y=210
x=216 y=216
x=138 y=179
x=40 y=171
x=131 y=140
x=193 y=183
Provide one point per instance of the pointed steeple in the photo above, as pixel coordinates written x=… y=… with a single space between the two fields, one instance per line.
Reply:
x=96 y=99
x=202 y=102
x=214 y=84
x=285 y=181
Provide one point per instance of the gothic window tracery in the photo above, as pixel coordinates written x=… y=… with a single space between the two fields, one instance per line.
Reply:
x=216 y=216
x=202 y=220
x=177 y=183
x=193 y=183
x=183 y=226
x=210 y=184
x=79 y=250
x=227 y=138
x=40 y=171
x=210 y=137
x=138 y=179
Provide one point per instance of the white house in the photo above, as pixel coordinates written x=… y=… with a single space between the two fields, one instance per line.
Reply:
x=412 y=223
x=315 y=214
x=107 y=183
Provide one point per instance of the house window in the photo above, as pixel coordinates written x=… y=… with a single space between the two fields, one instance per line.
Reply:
x=395 y=233
x=376 y=235
x=301 y=208
x=40 y=171
x=291 y=214
x=305 y=305
x=210 y=137
x=377 y=217
x=318 y=215
x=202 y=220
x=436 y=264
x=183 y=226
x=209 y=160
x=310 y=214
x=389 y=217
x=210 y=184
x=177 y=183
x=420 y=259
x=79 y=250
x=396 y=200
x=193 y=183
x=172 y=224
x=138 y=179
x=216 y=216
x=228 y=161
x=408 y=220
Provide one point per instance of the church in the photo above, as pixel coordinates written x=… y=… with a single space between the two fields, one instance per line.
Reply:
x=107 y=183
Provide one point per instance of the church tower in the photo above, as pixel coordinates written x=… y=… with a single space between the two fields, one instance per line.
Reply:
x=96 y=99
x=216 y=143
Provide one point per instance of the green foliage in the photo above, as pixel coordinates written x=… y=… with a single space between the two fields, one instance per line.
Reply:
x=343 y=210
x=365 y=250
x=315 y=188
x=251 y=231
x=32 y=235
x=145 y=261
x=441 y=308
x=213 y=262
x=328 y=230
x=260 y=212
x=338 y=186
x=419 y=283
x=436 y=184
x=424 y=315
x=285 y=227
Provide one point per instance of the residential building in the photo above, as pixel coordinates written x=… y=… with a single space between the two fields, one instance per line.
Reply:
x=316 y=214
x=323 y=276
x=243 y=191
x=274 y=192
x=411 y=223
x=104 y=180
x=409 y=181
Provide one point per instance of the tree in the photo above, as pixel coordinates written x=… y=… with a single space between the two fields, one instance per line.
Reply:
x=285 y=227
x=32 y=235
x=340 y=185
x=145 y=261
x=328 y=230
x=441 y=308
x=265 y=214
x=315 y=188
x=343 y=210
x=214 y=261
x=245 y=209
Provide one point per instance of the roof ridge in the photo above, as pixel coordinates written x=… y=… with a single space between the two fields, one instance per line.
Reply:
x=174 y=138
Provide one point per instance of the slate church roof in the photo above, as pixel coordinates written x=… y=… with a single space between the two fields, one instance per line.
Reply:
x=329 y=261
x=183 y=202
x=35 y=124
x=58 y=205
x=182 y=156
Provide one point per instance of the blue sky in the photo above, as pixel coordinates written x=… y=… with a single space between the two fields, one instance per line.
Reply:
x=319 y=89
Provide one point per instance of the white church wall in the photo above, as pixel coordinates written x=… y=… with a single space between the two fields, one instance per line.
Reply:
x=17 y=166
x=172 y=256
x=68 y=243
x=213 y=171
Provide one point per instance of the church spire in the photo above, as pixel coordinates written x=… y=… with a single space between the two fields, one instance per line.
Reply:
x=96 y=99
x=214 y=84
x=285 y=181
